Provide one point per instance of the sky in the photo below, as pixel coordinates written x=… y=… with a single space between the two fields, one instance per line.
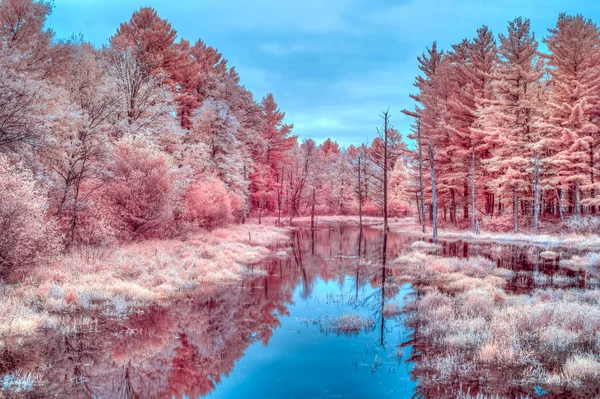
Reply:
x=332 y=65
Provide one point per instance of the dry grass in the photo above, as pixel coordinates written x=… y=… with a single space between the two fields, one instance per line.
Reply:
x=19 y=382
x=469 y=324
x=118 y=281
x=345 y=324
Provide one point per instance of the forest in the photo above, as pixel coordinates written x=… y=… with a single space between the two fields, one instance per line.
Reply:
x=136 y=170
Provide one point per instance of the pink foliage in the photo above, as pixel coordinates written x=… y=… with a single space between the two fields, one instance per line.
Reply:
x=207 y=204
x=27 y=238
x=141 y=195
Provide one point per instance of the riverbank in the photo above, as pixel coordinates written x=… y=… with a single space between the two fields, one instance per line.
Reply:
x=118 y=281
x=409 y=226
x=469 y=327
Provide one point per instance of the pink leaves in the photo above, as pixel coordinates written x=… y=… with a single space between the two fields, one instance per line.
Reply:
x=27 y=236
x=207 y=204
x=141 y=194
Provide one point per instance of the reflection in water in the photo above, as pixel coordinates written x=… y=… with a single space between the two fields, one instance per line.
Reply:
x=253 y=339
x=244 y=340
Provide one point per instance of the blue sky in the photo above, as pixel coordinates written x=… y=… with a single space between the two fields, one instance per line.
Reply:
x=333 y=65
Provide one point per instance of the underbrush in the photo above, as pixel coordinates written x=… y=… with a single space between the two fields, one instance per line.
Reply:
x=118 y=281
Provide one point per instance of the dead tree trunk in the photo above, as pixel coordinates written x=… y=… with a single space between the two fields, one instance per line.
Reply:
x=386 y=156
x=433 y=192
x=360 y=199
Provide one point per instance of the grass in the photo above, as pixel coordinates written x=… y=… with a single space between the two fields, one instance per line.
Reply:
x=118 y=281
x=19 y=382
x=345 y=324
x=471 y=325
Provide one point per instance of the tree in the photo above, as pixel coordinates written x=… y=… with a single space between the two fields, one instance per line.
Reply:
x=270 y=161
x=21 y=101
x=304 y=164
x=574 y=69
x=207 y=204
x=218 y=129
x=399 y=189
x=149 y=39
x=429 y=64
x=28 y=237
x=473 y=63
x=140 y=197
x=383 y=153
x=509 y=122
x=81 y=129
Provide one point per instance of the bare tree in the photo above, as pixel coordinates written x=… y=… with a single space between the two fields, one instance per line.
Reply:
x=383 y=153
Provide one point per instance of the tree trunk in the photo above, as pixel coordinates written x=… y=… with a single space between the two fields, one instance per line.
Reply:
x=592 y=190
x=473 y=210
x=418 y=208
x=360 y=199
x=466 y=205
x=536 y=204
x=279 y=197
x=515 y=209
x=433 y=192
x=558 y=197
x=312 y=212
x=452 y=207
x=422 y=199
x=578 y=202
x=260 y=211
x=385 y=172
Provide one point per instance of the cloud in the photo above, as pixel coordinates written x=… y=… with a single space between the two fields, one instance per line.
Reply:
x=332 y=65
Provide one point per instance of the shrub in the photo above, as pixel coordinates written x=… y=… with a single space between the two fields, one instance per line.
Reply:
x=207 y=204
x=26 y=238
x=141 y=195
x=587 y=224
x=499 y=224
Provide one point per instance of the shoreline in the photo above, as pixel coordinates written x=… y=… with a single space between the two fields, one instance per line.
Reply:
x=409 y=227
x=123 y=280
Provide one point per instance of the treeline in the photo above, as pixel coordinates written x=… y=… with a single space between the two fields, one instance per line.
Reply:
x=514 y=132
x=149 y=136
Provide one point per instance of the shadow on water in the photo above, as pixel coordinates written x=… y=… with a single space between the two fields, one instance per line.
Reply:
x=322 y=321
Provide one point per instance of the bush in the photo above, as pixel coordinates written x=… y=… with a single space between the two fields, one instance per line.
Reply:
x=587 y=224
x=27 y=237
x=500 y=224
x=140 y=199
x=207 y=204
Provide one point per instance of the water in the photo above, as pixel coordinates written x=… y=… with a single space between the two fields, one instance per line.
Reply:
x=321 y=322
